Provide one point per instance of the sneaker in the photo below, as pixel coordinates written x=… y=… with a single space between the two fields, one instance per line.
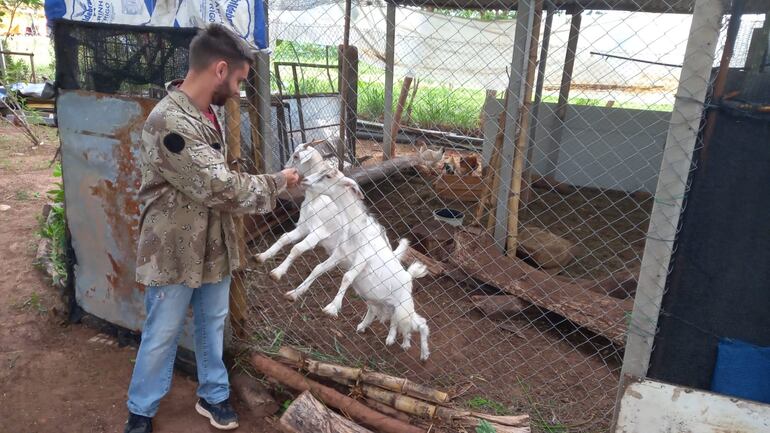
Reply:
x=221 y=415
x=138 y=424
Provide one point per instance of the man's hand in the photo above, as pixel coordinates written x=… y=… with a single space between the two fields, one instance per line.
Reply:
x=292 y=177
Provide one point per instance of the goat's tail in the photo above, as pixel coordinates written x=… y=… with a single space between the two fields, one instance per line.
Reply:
x=400 y=250
x=417 y=270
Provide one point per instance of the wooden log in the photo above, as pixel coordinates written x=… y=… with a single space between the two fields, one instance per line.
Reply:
x=345 y=375
x=308 y=415
x=255 y=396
x=387 y=410
x=357 y=411
x=406 y=404
x=399 y=111
x=364 y=175
x=383 y=170
x=546 y=249
x=502 y=304
x=480 y=259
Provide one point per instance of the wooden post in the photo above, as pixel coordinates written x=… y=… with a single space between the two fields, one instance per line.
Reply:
x=525 y=197
x=253 y=103
x=552 y=143
x=298 y=97
x=390 y=42
x=514 y=93
x=523 y=135
x=32 y=66
x=348 y=77
x=344 y=86
x=399 y=111
x=238 y=300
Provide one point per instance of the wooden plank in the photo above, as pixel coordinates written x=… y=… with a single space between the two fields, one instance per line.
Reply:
x=435 y=267
x=477 y=256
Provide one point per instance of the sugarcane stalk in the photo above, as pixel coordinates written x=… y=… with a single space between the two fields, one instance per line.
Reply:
x=343 y=374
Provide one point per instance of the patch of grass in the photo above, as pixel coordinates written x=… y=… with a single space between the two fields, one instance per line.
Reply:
x=485 y=404
x=22 y=195
x=285 y=406
x=485 y=427
x=55 y=229
x=538 y=419
x=31 y=303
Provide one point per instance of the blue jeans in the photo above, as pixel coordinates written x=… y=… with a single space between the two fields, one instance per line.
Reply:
x=166 y=312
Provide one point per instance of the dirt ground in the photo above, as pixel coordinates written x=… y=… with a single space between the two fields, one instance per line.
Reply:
x=535 y=362
x=52 y=378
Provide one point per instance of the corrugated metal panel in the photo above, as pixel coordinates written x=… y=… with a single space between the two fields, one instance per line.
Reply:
x=100 y=144
x=654 y=407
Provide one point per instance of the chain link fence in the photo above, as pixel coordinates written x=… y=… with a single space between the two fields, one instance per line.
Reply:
x=559 y=138
x=538 y=161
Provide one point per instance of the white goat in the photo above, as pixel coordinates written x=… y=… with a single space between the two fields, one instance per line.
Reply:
x=320 y=222
x=373 y=268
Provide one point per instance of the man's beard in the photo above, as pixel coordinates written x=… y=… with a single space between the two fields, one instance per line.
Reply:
x=221 y=95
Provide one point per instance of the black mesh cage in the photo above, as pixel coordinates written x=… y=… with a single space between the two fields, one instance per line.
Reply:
x=119 y=59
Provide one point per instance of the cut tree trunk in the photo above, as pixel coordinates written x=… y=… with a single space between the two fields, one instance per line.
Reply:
x=480 y=259
x=308 y=415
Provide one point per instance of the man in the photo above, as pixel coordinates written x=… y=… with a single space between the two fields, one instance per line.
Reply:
x=187 y=242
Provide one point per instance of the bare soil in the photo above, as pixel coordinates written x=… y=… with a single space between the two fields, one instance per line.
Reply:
x=52 y=378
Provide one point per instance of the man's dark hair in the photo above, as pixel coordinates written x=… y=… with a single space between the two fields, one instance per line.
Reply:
x=216 y=42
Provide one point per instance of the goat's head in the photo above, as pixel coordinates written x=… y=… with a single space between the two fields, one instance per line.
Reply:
x=333 y=183
x=307 y=159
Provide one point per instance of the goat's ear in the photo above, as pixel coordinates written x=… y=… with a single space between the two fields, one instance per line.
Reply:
x=353 y=186
x=306 y=156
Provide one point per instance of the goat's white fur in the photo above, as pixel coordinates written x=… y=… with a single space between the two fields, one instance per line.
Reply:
x=373 y=268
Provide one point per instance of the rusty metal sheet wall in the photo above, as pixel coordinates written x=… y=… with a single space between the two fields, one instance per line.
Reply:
x=100 y=143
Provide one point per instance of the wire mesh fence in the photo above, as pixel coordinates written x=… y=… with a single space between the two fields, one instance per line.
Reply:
x=529 y=185
x=537 y=160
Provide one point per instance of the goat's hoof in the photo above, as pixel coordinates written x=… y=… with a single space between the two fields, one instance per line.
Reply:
x=276 y=275
x=291 y=295
x=331 y=310
x=406 y=346
x=360 y=329
x=424 y=356
x=389 y=341
x=261 y=258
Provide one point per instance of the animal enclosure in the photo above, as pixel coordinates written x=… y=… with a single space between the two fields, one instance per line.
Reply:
x=536 y=155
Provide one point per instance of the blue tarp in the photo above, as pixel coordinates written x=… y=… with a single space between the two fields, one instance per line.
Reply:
x=245 y=17
x=742 y=370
